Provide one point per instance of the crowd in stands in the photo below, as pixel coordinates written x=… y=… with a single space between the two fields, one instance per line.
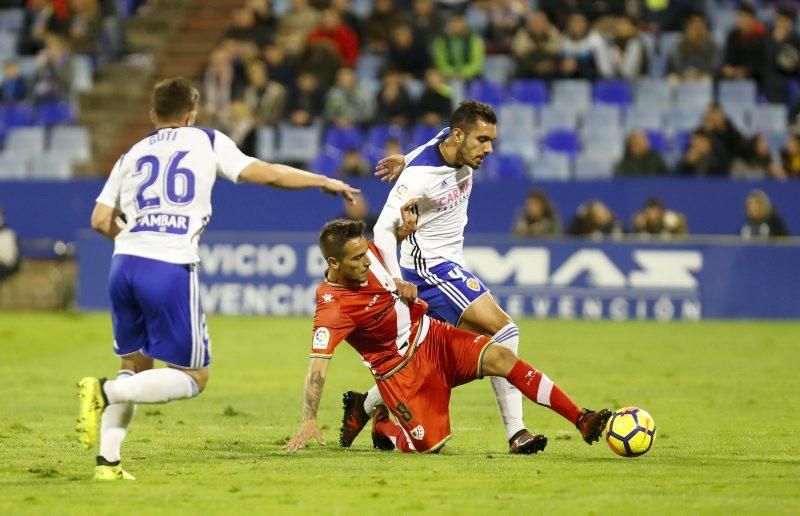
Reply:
x=583 y=89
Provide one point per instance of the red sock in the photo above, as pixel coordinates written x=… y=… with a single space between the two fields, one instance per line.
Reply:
x=393 y=431
x=540 y=389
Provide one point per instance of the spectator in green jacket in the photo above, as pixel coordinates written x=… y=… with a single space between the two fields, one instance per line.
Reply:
x=640 y=158
x=459 y=54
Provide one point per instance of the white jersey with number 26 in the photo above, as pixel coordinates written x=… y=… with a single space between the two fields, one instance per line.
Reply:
x=163 y=186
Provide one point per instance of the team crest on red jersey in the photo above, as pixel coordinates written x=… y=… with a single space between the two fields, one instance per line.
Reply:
x=418 y=432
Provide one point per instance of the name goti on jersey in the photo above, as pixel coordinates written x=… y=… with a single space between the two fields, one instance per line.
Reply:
x=372 y=318
x=163 y=187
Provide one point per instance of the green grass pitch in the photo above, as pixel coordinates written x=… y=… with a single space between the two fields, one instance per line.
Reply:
x=724 y=397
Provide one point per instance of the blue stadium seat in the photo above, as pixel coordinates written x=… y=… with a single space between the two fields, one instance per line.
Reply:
x=528 y=91
x=51 y=166
x=73 y=142
x=575 y=94
x=420 y=134
x=554 y=117
x=13 y=165
x=379 y=134
x=644 y=117
x=741 y=92
x=26 y=141
x=327 y=161
x=55 y=113
x=653 y=92
x=511 y=168
x=373 y=154
x=769 y=118
x=612 y=92
x=12 y=20
x=265 y=144
x=344 y=138
x=486 y=91
x=18 y=114
x=694 y=94
x=739 y=115
x=562 y=141
x=684 y=119
x=680 y=141
x=602 y=116
x=658 y=140
x=552 y=166
x=298 y=144
x=498 y=68
x=593 y=166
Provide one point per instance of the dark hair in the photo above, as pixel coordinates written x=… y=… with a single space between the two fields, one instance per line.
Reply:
x=336 y=233
x=174 y=98
x=746 y=8
x=469 y=111
x=654 y=202
x=547 y=206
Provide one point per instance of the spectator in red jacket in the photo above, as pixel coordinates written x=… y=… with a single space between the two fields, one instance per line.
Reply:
x=343 y=37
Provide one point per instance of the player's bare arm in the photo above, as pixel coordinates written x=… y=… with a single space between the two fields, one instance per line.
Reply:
x=104 y=220
x=312 y=394
x=284 y=176
x=390 y=168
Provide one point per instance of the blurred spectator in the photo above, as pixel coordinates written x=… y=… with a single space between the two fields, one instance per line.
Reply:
x=408 y=54
x=426 y=21
x=790 y=157
x=54 y=72
x=85 y=26
x=266 y=98
x=41 y=17
x=702 y=158
x=354 y=165
x=240 y=125
x=344 y=39
x=668 y=15
x=394 y=105
x=538 y=217
x=695 y=57
x=282 y=68
x=629 y=59
x=756 y=161
x=360 y=210
x=322 y=60
x=537 y=48
x=305 y=100
x=640 y=158
x=595 y=220
x=654 y=219
x=244 y=27
x=505 y=17
x=379 y=24
x=727 y=142
x=745 y=46
x=392 y=146
x=762 y=221
x=436 y=102
x=782 y=62
x=296 y=24
x=13 y=86
x=9 y=250
x=347 y=103
x=218 y=85
x=459 y=53
x=349 y=18
x=265 y=20
x=585 y=53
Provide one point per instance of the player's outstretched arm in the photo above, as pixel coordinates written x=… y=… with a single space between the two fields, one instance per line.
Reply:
x=312 y=394
x=104 y=220
x=390 y=168
x=284 y=176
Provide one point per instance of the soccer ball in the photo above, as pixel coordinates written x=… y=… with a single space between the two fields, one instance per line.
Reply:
x=630 y=432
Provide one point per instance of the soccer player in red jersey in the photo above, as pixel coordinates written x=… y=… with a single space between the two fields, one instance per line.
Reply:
x=416 y=360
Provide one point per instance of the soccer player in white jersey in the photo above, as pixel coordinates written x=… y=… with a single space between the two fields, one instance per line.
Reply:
x=439 y=175
x=162 y=186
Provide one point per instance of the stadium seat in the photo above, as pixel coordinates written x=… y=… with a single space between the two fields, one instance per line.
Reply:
x=684 y=119
x=458 y=91
x=498 y=68
x=8 y=45
x=680 y=141
x=12 y=20
x=575 y=94
x=18 y=114
x=653 y=92
x=739 y=115
x=414 y=87
x=82 y=73
x=740 y=92
x=26 y=141
x=55 y=113
x=562 y=141
x=511 y=168
x=421 y=134
x=605 y=116
x=769 y=118
x=298 y=144
x=552 y=166
x=608 y=143
x=667 y=41
x=658 y=140
x=13 y=165
x=50 y=166
x=554 y=117
x=71 y=141
x=694 y=94
x=362 y=8
x=593 y=166
x=644 y=117
x=379 y=134
x=369 y=66
x=373 y=154
x=528 y=91
x=344 y=138
x=486 y=91
x=327 y=161
x=612 y=92
x=27 y=66
x=265 y=143
x=516 y=121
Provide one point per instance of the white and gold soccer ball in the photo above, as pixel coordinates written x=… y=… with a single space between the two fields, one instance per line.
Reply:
x=630 y=432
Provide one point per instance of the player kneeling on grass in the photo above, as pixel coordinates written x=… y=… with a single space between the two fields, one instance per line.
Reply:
x=416 y=360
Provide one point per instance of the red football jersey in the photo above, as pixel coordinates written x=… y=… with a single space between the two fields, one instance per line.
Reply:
x=381 y=327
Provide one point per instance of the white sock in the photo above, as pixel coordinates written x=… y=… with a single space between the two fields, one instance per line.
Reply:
x=152 y=386
x=372 y=400
x=114 y=425
x=508 y=397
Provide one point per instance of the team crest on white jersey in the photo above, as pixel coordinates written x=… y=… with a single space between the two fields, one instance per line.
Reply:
x=418 y=432
x=473 y=284
x=321 y=338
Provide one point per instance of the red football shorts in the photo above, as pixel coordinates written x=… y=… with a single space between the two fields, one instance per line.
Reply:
x=419 y=393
